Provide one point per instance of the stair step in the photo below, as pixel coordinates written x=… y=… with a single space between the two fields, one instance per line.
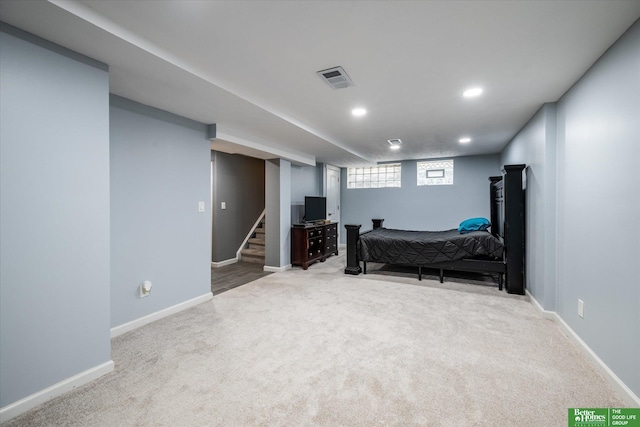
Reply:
x=254 y=251
x=253 y=255
x=257 y=241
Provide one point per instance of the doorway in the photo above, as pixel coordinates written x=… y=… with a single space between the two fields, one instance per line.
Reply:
x=333 y=193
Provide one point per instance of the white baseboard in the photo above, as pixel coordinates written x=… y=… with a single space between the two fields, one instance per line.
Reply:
x=276 y=269
x=134 y=324
x=627 y=394
x=23 y=405
x=223 y=263
x=545 y=313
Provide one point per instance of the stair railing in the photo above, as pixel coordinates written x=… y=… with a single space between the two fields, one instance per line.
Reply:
x=253 y=230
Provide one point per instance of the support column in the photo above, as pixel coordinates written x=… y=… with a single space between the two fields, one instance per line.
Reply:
x=278 y=215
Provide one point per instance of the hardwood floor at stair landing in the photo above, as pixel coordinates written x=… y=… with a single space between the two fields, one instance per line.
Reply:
x=234 y=275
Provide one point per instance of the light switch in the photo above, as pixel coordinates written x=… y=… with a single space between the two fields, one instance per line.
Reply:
x=201 y=206
x=223 y=205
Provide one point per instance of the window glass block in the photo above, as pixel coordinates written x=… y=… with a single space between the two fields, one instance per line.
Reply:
x=436 y=172
x=381 y=176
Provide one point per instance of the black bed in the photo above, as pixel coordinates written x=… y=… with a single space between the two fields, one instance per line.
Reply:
x=442 y=250
x=500 y=251
x=426 y=247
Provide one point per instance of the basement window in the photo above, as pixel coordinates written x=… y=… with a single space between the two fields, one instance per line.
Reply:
x=436 y=172
x=381 y=176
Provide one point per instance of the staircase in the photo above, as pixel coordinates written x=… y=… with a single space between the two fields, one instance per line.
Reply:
x=254 y=249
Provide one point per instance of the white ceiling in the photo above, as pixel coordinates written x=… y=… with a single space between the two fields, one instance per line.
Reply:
x=250 y=67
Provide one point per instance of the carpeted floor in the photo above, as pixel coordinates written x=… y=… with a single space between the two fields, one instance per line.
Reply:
x=318 y=347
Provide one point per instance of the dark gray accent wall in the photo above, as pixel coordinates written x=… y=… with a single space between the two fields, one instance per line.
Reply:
x=238 y=181
x=411 y=207
x=596 y=205
x=54 y=215
x=160 y=170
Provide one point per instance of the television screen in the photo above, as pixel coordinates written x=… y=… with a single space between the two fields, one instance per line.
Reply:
x=315 y=208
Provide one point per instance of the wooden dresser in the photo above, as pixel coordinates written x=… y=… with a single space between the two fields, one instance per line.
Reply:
x=313 y=242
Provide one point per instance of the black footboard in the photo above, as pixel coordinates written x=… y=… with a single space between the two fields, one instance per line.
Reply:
x=353 y=235
x=353 y=263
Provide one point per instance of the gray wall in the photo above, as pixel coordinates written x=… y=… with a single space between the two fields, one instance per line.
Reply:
x=239 y=182
x=597 y=206
x=305 y=181
x=439 y=207
x=535 y=146
x=278 y=216
x=160 y=170
x=54 y=215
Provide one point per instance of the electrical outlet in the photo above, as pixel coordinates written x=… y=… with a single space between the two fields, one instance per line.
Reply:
x=145 y=289
x=581 y=308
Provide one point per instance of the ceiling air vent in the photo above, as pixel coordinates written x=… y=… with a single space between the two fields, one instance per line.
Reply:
x=336 y=77
x=395 y=143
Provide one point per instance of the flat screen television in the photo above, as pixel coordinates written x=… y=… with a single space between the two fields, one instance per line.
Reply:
x=315 y=208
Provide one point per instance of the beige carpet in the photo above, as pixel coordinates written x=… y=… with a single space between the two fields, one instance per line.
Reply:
x=321 y=348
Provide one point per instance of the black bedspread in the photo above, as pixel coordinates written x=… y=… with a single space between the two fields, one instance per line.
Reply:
x=425 y=247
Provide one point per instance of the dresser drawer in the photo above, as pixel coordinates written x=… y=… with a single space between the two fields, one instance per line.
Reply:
x=315 y=232
x=316 y=243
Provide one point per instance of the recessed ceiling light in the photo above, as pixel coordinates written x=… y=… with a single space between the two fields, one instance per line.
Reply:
x=470 y=93
x=358 y=112
x=464 y=140
x=395 y=147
